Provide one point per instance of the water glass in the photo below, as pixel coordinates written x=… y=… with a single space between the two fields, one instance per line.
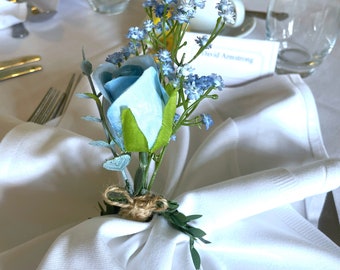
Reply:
x=306 y=30
x=110 y=7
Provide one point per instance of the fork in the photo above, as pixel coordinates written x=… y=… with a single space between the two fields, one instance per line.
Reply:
x=54 y=103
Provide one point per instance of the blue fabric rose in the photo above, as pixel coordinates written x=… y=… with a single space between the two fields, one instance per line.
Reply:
x=139 y=110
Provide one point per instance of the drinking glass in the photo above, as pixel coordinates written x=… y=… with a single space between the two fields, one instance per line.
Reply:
x=307 y=32
x=110 y=7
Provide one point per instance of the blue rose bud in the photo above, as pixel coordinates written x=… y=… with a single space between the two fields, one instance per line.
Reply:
x=139 y=110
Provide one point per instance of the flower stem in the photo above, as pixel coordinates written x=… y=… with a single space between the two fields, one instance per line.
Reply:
x=158 y=162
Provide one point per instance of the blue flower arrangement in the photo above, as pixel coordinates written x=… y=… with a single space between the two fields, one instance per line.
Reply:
x=145 y=93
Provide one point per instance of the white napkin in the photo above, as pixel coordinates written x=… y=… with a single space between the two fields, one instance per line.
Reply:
x=11 y=13
x=114 y=243
x=237 y=60
x=240 y=178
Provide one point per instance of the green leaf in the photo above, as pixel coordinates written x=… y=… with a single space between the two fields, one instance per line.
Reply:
x=196 y=259
x=196 y=232
x=92 y=118
x=172 y=206
x=165 y=132
x=179 y=218
x=134 y=139
x=117 y=163
x=193 y=217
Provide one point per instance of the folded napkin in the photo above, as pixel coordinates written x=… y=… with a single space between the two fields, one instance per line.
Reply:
x=264 y=153
x=11 y=13
x=278 y=239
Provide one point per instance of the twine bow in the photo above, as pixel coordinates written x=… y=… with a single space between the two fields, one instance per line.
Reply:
x=139 y=208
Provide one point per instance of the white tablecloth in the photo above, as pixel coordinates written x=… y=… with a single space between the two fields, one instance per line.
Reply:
x=36 y=208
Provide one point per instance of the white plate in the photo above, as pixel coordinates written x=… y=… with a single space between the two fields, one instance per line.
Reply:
x=243 y=30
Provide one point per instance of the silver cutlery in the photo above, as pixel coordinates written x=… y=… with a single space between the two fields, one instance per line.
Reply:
x=54 y=103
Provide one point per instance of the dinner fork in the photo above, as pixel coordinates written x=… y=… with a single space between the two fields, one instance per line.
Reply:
x=54 y=103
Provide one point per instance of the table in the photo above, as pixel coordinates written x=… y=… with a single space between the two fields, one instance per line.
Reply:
x=75 y=26
x=77 y=20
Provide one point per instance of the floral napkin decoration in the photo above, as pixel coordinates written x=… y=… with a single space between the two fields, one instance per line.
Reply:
x=144 y=94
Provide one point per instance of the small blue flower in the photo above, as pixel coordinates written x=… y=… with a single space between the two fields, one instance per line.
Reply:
x=199 y=3
x=148 y=25
x=160 y=10
x=135 y=33
x=184 y=13
x=134 y=47
x=218 y=81
x=164 y=56
x=126 y=51
x=160 y=27
x=185 y=70
x=149 y=3
x=171 y=2
x=168 y=69
x=116 y=58
x=226 y=10
x=192 y=88
x=202 y=41
x=207 y=120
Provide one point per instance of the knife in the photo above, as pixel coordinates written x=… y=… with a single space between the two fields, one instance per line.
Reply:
x=19 y=61
x=18 y=71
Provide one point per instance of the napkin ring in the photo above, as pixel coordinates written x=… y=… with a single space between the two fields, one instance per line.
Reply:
x=138 y=208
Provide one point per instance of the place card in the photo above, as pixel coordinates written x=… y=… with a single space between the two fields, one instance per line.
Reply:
x=237 y=60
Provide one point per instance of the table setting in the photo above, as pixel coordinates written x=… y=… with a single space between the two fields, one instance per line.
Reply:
x=248 y=168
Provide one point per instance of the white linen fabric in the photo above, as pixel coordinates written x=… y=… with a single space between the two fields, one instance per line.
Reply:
x=11 y=13
x=264 y=153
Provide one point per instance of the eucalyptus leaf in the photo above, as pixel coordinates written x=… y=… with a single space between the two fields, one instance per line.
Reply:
x=92 y=119
x=193 y=217
x=117 y=163
x=195 y=257
x=180 y=218
x=100 y=144
x=196 y=232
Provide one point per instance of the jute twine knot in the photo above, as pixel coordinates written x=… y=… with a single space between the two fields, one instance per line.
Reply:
x=139 y=208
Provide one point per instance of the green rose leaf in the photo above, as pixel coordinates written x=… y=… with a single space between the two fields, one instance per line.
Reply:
x=134 y=139
x=168 y=116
